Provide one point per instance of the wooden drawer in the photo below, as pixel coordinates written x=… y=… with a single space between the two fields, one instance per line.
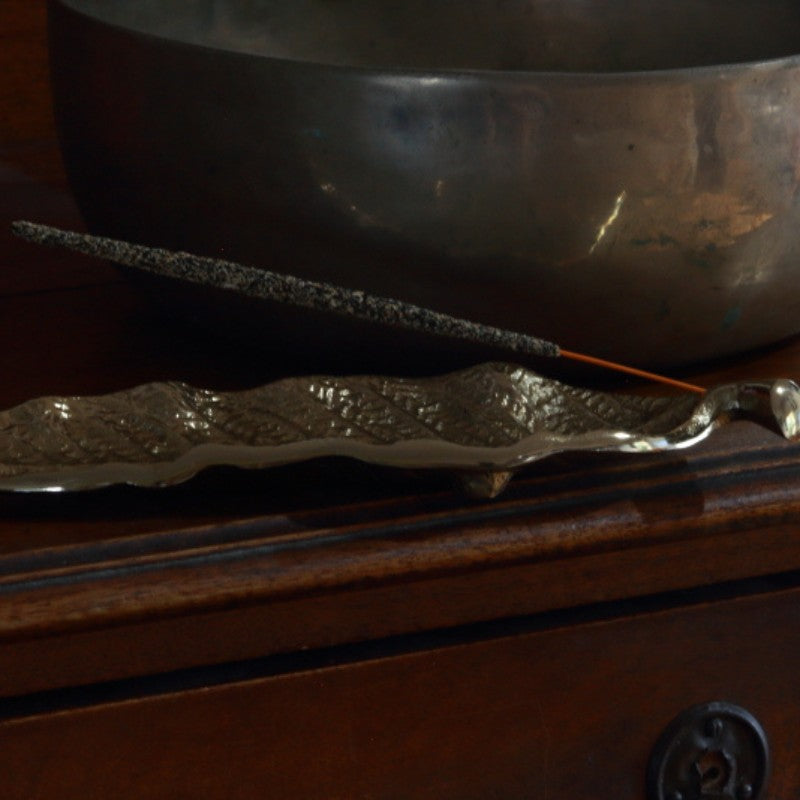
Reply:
x=555 y=707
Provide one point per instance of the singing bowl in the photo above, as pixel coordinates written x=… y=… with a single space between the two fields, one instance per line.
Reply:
x=618 y=177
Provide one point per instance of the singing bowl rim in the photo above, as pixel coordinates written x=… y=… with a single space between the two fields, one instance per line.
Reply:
x=365 y=71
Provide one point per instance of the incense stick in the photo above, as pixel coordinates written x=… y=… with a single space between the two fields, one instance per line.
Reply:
x=289 y=289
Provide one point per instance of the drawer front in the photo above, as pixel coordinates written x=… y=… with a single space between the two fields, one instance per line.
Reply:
x=560 y=713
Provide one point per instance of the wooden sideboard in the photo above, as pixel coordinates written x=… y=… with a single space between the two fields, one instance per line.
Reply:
x=333 y=630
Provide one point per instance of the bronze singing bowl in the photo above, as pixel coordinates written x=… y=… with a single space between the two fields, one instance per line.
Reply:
x=618 y=177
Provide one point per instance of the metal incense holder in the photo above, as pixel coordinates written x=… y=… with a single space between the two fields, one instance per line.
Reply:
x=483 y=423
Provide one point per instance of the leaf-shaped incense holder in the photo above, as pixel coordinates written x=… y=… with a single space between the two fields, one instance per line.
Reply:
x=484 y=422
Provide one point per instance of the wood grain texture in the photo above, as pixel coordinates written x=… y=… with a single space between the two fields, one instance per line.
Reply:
x=332 y=575
x=568 y=712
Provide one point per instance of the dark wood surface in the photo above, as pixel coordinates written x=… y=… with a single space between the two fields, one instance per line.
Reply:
x=570 y=711
x=338 y=630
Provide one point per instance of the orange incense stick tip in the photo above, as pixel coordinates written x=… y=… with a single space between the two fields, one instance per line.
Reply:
x=599 y=362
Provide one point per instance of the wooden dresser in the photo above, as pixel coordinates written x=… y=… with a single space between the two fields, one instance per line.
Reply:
x=334 y=630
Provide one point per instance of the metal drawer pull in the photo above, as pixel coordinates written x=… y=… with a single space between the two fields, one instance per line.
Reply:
x=717 y=751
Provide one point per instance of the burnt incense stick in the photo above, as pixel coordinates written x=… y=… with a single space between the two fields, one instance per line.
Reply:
x=264 y=284
x=289 y=289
